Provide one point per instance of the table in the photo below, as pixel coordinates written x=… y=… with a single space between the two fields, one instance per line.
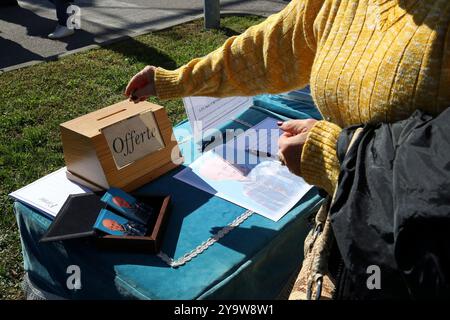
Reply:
x=252 y=261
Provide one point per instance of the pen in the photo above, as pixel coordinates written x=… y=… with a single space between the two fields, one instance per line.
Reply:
x=259 y=153
x=263 y=154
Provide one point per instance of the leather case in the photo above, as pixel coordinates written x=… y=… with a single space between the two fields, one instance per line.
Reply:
x=76 y=219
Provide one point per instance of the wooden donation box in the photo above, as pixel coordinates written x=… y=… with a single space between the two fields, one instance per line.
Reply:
x=124 y=145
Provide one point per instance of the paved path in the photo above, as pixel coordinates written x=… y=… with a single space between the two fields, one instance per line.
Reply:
x=23 y=29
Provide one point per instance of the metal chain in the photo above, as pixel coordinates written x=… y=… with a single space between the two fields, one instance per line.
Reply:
x=205 y=244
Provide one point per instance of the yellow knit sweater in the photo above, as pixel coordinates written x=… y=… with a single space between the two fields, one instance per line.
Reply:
x=366 y=61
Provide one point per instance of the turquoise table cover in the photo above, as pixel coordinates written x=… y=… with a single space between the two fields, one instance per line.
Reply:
x=252 y=261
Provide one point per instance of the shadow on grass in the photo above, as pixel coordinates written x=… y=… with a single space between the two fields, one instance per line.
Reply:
x=229 y=32
x=139 y=52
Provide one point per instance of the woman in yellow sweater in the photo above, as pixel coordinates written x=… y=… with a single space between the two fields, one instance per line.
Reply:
x=365 y=60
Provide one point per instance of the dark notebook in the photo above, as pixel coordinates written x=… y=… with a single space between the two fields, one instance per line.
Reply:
x=76 y=218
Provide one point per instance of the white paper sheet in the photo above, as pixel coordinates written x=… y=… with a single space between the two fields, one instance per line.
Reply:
x=48 y=193
x=211 y=113
x=260 y=183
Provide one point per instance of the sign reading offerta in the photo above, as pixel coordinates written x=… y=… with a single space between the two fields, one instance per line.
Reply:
x=133 y=138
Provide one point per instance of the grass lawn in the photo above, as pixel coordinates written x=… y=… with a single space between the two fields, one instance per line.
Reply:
x=35 y=100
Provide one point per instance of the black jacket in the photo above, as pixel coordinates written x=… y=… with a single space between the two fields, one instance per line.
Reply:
x=392 y=209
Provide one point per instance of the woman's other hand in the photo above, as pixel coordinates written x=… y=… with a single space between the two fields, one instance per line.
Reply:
x=290 y=143
x=142 y=85
x=297 y=126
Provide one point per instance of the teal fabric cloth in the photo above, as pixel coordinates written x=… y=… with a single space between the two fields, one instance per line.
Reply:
x=296 y=104
x=253 y=261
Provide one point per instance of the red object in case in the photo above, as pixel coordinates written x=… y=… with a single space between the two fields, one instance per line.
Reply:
x=152 y=241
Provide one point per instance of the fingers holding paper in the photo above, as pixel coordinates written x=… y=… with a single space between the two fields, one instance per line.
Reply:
x=290 y=150
x=290 y=143
x=297 y=126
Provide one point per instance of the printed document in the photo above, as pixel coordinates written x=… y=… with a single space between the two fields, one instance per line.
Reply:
x=206 y=113
x=255 y=181
x=49 y=193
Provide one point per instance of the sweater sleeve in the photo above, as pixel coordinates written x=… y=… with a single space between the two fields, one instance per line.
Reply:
x=272 y=57
x=319 y=164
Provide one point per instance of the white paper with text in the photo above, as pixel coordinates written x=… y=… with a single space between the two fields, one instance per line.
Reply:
x=49 y=193
x=211 y=113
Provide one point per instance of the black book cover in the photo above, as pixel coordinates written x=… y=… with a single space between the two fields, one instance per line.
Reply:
x=76 y=218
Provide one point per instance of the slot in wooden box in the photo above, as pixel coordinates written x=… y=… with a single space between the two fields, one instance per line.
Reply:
x=92 y=157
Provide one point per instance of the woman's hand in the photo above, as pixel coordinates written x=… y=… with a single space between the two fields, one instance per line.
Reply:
x=290 y=143
x=142 y=85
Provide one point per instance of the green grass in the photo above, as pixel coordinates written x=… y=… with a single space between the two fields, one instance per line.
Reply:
x=35 y=100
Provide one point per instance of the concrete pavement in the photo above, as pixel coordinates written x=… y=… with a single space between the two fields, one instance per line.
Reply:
x=23 y=30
